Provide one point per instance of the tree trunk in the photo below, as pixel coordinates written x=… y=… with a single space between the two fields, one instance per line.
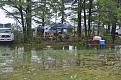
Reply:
x=85 y=25
x=79 y=18
x=89 y=18
x=108 y=31
x=113 y=31
x=43 y=13
x=29 y=20
x=62 y=11
x=43 y=18
x=23 y=24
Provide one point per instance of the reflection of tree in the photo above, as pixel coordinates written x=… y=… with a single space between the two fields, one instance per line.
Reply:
x=78 y=59
x=44 y=59
x=6 y=59
x=27 y=54
x=22 y=57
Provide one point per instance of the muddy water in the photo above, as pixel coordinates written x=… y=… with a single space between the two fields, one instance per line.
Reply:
x=26 y=57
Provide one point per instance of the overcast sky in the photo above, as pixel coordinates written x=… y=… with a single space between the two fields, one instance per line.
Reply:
x=4 y=19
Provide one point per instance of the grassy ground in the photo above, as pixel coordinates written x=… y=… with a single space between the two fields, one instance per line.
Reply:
x=75 y=73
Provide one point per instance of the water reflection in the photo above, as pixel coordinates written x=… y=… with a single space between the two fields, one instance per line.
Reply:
x=47 y=57
x=6 y=60
x=118 y=49
x=11 y=59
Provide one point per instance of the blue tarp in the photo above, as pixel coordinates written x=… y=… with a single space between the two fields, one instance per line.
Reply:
x=54 y=26
x=60 y=26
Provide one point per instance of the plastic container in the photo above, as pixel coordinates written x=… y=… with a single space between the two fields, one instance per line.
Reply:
x=102 y=42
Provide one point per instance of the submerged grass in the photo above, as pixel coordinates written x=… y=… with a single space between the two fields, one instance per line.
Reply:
x=91 y=69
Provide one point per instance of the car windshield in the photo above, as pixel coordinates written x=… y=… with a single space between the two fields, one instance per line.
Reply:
x=5 y=30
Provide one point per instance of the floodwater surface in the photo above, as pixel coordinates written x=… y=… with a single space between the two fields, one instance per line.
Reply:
x=28 y=58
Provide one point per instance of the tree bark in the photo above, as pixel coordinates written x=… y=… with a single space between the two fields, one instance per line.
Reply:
x=85 y=25
x=113 y=31
x=23 y=23
x=79 y=18
x=62 y=11
x=43 y=13
x=29 y=20
x=89 y=18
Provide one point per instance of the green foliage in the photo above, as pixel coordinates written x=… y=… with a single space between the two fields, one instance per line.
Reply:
x=108 y=10
x=105 y=11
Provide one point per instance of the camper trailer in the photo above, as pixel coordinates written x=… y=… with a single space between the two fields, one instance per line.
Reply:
x=6 y=32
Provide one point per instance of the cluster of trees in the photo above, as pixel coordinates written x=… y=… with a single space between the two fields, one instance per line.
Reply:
x=26 y=11
x=100 y=12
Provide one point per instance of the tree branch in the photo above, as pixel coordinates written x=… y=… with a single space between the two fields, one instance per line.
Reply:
x=11 y=14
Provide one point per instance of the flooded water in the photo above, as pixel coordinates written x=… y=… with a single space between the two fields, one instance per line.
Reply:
x=17 y=57
x=12 y=57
